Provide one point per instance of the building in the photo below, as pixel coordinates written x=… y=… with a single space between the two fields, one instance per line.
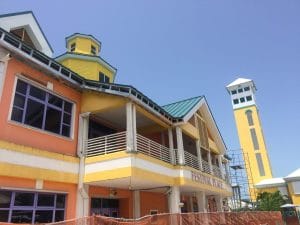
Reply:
x=250 y=132
x=74 y=143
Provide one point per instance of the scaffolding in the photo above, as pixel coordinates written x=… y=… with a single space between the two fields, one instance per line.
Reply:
x=241 y=180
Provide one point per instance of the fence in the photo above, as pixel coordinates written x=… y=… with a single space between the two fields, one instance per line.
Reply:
x=228 y=218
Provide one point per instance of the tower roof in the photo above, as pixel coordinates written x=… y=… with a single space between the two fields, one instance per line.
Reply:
x=240 y=81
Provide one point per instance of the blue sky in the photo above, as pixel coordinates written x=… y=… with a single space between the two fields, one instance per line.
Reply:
x=171 y=50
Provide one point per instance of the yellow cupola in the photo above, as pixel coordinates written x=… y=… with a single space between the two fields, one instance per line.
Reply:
x=83 y=57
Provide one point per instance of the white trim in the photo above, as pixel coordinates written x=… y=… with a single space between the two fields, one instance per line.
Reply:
x=44 y=88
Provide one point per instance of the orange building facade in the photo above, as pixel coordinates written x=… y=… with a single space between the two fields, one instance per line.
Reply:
x=72 y=145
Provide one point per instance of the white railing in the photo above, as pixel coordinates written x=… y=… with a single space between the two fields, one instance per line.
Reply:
x=205 y=166
x=191 y=160
x=217 y=172
x=153 y=149
x=106 y=144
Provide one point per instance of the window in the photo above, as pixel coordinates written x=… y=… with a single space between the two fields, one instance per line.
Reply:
x=260 y=164
x=246 y=88
x=235 y=101
x=240 y=90
x=103 y=78
x=249 y=117
x=37 y=108
x=254 y=139
x=233 y=92
x=242 y=100
x=93 y=49
x=31 y=207
x=249 y=98
x=72 y=47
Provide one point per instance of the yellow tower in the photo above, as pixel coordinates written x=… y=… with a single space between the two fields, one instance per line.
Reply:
x=250 y=131
x=82 y=57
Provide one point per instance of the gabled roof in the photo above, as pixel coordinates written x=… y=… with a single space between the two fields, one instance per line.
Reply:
x=181 y=108
x=28 y=21
x=294 y=175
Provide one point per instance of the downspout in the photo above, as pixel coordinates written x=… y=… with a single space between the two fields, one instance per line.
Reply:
x=83 y=135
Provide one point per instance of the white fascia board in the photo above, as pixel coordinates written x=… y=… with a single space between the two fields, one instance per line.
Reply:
x=30 y=24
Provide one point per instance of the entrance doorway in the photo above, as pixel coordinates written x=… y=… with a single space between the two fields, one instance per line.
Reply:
x=105 y=207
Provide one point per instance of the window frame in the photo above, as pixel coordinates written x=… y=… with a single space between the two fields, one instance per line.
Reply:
x=49 y=91
x=249 y=117
x=106 y=78
x=237 y=101
x=34 y=207
x=71 y=47
x=93 y=47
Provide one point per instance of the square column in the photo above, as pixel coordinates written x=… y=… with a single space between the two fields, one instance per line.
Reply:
x=219 y=202
x=220 y=158
x=130 y=127
x=174 y=200
x=171 y=146
x=209 y=162
x=199 y=155
x=201 y=201
x=136 y=204
x=180 y=148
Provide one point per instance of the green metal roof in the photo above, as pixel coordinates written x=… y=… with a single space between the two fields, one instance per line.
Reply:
x=183 y=107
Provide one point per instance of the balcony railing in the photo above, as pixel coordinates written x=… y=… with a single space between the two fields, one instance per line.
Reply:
x=205 y=166
x=191 y=160
x=217 y=172
x=106 y=144
x=117 y=142
x=153 y=149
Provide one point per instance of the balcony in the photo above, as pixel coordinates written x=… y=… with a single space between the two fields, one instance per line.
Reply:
x=117 y=142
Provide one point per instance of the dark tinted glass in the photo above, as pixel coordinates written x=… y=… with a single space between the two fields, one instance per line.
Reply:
x=34 y=114
x=240 y=90
x=246 y=88
x=45 y=200
x=68 y=107
x=43 y=216
x=66 y=131
x=233 y=92
x=67 y=119
x=59 y=215
x=5 y=197
x=4 y=215
x=21 y=216
x=38 y=93
x=16 y=114
x=242 y=99
x=24 y=199
x=249 y=98
x=53 y=119
x=53 y=100
x=21 y=87
x=19 y=100
x=235 y=101
x=60 y=201
x=96 y=203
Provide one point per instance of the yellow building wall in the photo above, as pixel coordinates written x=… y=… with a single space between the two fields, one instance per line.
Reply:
x=270 y=190
x=247 y=145
x=295 y=197
x=88 y=69
x=83 y=45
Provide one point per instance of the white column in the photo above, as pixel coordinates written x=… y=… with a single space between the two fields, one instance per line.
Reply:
x=136 y=204
x=201 y=201
x=180 y=149
x=220 y=158
x=199 y=154
x=219 y=201
x=174 y=200
x=82 y=203
x=4 y=58
x=209 y=162
x=227 y=175
x=171 y=146
x=130 y=127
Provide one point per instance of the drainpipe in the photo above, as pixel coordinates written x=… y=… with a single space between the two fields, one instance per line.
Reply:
x=82 y=204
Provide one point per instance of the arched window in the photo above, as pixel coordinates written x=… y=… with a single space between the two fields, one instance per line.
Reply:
x=249 y=117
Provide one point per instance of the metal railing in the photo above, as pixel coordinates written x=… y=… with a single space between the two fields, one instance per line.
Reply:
x=205 y=166
x=153 y=149
x=217 y=171
x=106 y=144
x=191 y=160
